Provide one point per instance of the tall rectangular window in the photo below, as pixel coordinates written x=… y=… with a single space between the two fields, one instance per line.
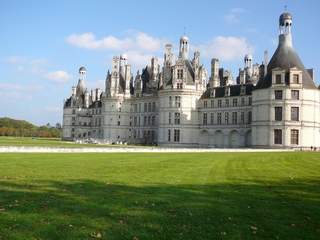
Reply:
x=277 y=136
x=227 y=102
x=211 y=118
x=212 y=103
x=278 y=113
x=226 y=118
x=177 y=101
x=176 y=135
x=170 y=101
x=204 y=120
x=278 y=79
x=169 y=135
x=205 y=104
x=242 y=117
x=234 y=118
x=242 y=101
x=278 y=94
x=153 y=106
x=180 y=74
x=250 y=101
x=149 y=107
x=295 y=94
x=295 y=78
x=294 y=114
x=235 y=102
x=219 y=103
x=169 y=120
x=145 y=107
x=294 y=136
x=219 y=118
x=249 y=117
x=177 y=118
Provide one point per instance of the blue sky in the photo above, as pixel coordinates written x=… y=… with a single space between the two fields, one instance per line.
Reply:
x=43 y=43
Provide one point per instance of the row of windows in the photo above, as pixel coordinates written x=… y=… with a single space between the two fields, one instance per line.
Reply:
x=147 y=121
x=279 y=79
x=147 y=107
x=177 y=101
x=227 y=102
x=294 y=114
x=234 y=118
x=176 y=135
x=176 y=116
x=278 y=94
x=294 y=136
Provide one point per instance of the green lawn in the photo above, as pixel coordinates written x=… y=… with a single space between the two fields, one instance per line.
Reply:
x=46 y=142
x=160 y=196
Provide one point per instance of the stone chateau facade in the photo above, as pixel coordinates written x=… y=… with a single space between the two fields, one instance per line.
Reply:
x=272 y=105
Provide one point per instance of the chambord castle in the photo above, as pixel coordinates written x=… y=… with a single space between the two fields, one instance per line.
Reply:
x=275 y=104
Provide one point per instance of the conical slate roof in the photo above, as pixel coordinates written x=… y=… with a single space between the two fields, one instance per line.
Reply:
x=285 y=58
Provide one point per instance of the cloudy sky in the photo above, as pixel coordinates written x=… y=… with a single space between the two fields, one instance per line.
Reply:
x=43 y=43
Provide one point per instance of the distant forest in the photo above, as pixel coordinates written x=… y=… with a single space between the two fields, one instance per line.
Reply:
x=21 y=128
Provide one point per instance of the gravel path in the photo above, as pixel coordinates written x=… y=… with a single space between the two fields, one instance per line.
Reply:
x=128 y=149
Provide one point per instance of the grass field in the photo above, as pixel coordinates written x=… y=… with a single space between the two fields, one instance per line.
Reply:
x=160 y=196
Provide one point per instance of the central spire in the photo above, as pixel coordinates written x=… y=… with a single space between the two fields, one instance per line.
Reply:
x=184 y=47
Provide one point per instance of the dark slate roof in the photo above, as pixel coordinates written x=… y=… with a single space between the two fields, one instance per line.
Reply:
x=96 y=104
x=285 y=58
x=235 y=90
x=68 y=102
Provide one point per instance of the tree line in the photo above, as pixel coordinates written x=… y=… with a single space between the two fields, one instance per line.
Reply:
x=22 y=128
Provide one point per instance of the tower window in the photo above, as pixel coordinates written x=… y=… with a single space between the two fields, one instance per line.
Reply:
x=278 y=78
x=211 y=118
x=177 y=101
x=205 y=121
x=234 y=118
x=205 y=104
x=169 y=117
x=278 y=94
x=278 y=113
x=177 y=118
x=226 y=118
x=219 y=118
x=277 y=136
x=294 y=136
x=169 y=135
x=235 y=102
x=295 y=94
x=295 y=79
x=176 y=135
x=180 y=74
x=294 y=113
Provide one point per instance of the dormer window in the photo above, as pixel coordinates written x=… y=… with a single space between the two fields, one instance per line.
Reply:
x=295 y=78
x=242 y=90
x=212 y=93
x=278 y=79
x=180 y=74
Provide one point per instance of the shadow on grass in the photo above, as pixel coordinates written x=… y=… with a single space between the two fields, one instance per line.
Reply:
x=84 y=209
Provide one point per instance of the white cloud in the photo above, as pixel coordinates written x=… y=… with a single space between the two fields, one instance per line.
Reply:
x=38 y=67
x=18 y=91
x=58 y=76
x=138 y=41
x=233 y=16
x=226 y=48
